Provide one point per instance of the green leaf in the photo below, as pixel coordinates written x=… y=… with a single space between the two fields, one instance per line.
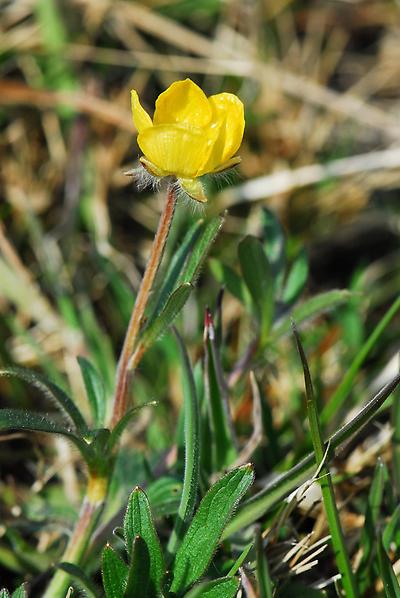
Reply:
x=20 y=592
x=138 y=521
x=390 y=581
x=50 y=391
x=217 y=393
x=281 y=486
x=192 y=450
x=257 y=275
x=18 y=419
x=368 y=536
x=164 y=496
x=296 y=279
x=4 y=593
x=344 y=388
x=95 y=390
x=201 y=250
x=83 y=581
x=265 y=587
x=139 y=571
x=114 y=572
x=225 y=587
x=240 y=560
x=175 y=267
x=275 y=241
x=164 y=320
x=228 y=278
x=124 y=421
x=392 y=528
x=201 y=539
x=309 y=309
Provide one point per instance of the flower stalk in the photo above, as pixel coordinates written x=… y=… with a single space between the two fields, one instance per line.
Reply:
x=125 y=364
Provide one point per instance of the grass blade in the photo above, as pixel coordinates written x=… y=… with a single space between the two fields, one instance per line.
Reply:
x=368 y=536
x=325 y=481
x=265 y=587
x=342 y=392
x=285 y=483
x=390 y=581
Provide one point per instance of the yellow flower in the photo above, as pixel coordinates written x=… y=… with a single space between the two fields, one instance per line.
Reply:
x=190 y=134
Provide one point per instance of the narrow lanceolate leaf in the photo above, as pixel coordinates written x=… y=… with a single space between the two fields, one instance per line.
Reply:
x=257 y=274
x=390 y=581
x=217 y=393
x=95 y=390
x=4 y=593
x=202 y=537
x=225 y=587
x=200 y=250
x=20 y=592
x=175 y=267
x=139 y=572
x=274 y=242
x=310 y=309
x=167 y=316
x=227 y=277
x=192 y=449
x=18 y=419
x=125 y=421
x=296 y=279
x=138 y=521
x=114 y=572
x=50 y=391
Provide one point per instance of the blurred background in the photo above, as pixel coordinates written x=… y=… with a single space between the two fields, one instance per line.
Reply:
x=321 y=86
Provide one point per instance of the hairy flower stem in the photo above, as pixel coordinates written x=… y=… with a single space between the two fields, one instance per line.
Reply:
x=124 y=366
x=91 y=510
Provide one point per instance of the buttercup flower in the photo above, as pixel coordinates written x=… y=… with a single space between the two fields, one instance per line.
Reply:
x=190 y=135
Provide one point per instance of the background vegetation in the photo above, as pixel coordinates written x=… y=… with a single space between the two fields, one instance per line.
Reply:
x=318 y=187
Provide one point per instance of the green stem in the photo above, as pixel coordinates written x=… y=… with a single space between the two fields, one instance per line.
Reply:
x=325 y=482
x=124 y=366
x=91 y=510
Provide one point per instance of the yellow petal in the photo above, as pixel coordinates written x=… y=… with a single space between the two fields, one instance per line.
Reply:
x=228 y=120
x=141 y=119
x=183 y=102
x=194 y=188
x=175 y=149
